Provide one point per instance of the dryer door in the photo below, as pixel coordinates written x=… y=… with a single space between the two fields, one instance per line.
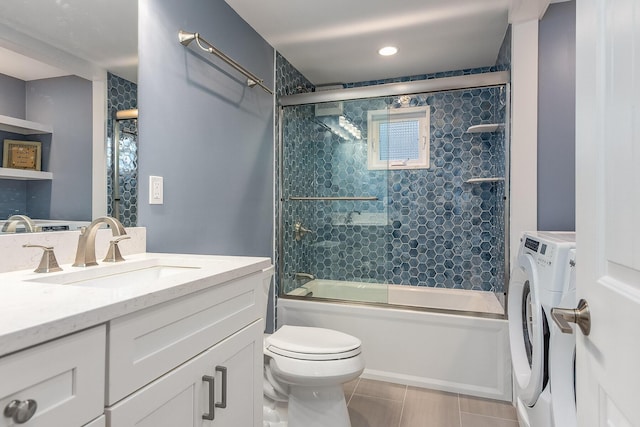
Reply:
x=527 y=330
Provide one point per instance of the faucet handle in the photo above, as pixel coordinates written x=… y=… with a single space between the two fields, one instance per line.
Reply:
x=48 y=262
x=113 y=254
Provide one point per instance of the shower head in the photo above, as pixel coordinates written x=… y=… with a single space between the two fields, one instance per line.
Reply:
x=186 y=38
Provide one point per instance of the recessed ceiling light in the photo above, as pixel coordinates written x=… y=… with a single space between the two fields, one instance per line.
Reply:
x=388 y=51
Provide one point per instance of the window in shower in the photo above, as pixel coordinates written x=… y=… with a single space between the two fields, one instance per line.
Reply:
x=398 y=138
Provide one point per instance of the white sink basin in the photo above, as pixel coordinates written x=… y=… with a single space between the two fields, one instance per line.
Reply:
x=120 y=274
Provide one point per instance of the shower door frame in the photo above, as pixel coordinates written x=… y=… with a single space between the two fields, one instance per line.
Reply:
x=422 y=87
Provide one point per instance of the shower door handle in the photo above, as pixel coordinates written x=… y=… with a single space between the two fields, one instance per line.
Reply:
x=300 y=230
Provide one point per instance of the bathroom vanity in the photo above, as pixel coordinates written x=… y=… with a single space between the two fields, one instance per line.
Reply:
x=157 y=340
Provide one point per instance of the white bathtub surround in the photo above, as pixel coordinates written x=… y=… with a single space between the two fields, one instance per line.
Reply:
x=449 y=352
x=14 y=257
x=414 y=296
x=32 y=311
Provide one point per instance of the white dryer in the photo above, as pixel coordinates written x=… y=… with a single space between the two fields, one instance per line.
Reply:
x=536 y=286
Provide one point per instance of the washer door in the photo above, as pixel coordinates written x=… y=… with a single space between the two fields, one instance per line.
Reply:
x=527 y=330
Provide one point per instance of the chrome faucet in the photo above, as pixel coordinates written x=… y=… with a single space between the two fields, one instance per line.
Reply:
x=14 y=220
x=86 y=253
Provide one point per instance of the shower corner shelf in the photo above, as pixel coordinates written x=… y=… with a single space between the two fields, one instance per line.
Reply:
x=489 y=127
x=24 y=175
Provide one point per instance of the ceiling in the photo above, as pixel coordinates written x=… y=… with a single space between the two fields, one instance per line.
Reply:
x=336 y=41
x=103 y=33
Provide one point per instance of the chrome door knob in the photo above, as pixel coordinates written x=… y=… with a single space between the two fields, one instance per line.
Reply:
x=581 y=316
x=20 y=411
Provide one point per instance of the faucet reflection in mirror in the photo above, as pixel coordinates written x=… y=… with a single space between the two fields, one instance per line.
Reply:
x=86 y=253
x=14 y=220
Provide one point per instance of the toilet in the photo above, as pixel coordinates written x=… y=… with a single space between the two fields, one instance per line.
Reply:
x=304 y=370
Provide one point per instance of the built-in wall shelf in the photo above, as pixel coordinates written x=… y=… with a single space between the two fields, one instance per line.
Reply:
x=23 y=127
x=489 y=127
x=22 y=174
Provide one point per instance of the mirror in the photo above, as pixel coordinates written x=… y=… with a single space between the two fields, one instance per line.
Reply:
x=65 y=67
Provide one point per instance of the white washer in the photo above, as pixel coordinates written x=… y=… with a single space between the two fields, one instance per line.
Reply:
x=562 y=357
x=536 y=286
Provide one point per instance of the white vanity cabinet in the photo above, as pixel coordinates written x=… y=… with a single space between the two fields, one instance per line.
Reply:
x=63 y=379
x=178 y=353
x=220 y=387
x=193 y=361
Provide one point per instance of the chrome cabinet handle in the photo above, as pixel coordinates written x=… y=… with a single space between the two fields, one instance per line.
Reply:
x=20 y=411
x=581 y=316
x=223 y=403
x=212 y=381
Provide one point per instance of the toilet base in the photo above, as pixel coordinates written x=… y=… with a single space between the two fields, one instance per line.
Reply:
x=274 y=414
x=318 y=407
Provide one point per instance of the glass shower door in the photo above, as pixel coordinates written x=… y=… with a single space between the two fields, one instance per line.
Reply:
x=334 y=222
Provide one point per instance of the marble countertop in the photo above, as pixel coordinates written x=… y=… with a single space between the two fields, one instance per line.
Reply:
x=35 y=309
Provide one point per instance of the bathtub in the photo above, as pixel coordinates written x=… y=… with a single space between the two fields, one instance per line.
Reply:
x=457 y=342
x=412 y=296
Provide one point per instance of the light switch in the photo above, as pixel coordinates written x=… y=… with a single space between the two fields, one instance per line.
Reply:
x=156 y=190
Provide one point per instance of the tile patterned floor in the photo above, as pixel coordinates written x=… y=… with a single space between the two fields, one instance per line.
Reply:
x=379 y=404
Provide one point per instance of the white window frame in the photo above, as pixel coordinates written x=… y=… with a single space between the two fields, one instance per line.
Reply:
x=377 y=117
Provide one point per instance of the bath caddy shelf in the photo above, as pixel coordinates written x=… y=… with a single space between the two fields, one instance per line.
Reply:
x=482 y=180
x=490 y=127
x=23 y=127
x=25 y=175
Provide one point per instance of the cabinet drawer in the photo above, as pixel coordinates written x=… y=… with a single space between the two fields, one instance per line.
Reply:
x=65 y=377
x=146 y=344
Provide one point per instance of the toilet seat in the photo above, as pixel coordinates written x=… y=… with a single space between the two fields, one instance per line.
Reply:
x=306 y=343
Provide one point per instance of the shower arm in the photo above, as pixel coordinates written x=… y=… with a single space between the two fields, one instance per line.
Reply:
x=186 y=38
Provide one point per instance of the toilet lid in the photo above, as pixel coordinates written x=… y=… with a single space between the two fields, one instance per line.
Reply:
x=308 y=343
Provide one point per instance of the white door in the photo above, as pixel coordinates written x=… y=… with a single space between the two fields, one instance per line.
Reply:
x=608 y=211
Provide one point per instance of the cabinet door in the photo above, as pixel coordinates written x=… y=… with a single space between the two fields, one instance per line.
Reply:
x=242 y=366
x=182 y=396
x=63 y=379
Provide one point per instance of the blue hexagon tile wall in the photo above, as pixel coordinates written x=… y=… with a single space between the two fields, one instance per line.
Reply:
x=123 y=95
x=428 y=227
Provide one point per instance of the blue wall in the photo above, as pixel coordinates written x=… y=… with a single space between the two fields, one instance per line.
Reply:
x=205 y=132
x=12 y=100
x=556 y=118
x=13 y=194
x=65 y=104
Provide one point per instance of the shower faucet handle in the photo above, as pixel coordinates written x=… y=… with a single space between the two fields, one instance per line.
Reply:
x=300 y=230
